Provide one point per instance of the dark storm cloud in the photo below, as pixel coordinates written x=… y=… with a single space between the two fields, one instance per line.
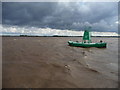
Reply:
x=62 y=15
x=26 y=13
x=0 y=13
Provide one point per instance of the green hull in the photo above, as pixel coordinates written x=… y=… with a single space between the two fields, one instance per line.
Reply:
x=80 y=44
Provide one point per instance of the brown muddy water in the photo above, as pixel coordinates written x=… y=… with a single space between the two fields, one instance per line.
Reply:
x=48 y=62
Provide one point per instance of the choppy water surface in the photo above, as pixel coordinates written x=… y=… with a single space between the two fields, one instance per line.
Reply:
x=39 y=62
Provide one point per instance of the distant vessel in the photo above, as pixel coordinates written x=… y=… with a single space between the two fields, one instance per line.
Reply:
x=86 y=41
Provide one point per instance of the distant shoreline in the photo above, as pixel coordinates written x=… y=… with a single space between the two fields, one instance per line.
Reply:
x=51 y=36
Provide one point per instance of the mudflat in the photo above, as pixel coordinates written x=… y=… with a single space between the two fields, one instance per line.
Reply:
x=48 y=62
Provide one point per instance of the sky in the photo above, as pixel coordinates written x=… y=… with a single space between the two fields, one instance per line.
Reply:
x=75 y=16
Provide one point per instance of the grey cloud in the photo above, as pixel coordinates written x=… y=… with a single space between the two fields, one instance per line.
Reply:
x=0 y=13
x=62 y=15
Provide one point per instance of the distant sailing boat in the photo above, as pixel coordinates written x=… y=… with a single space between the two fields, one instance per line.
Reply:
x=86 y=41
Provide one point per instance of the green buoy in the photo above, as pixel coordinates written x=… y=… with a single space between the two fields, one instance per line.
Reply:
x=86 y=41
